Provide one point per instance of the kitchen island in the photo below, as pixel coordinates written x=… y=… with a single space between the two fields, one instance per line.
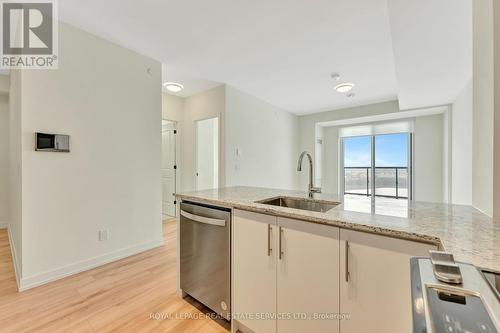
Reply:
x=345 y=269
x=470 y=235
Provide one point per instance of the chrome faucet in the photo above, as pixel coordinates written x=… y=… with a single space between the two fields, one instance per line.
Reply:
x=311 y=187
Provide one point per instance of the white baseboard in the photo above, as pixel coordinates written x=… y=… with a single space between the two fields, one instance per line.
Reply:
x=15 y=259
x=84 y=265
x=167 y=217
x=482 y=211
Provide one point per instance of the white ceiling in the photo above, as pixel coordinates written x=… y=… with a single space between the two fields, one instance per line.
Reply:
x=432 y=49
x=192 y=85
x=283 y=51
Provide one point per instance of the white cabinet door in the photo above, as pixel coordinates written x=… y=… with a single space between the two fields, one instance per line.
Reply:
x=308 y=277
x=254 y=270
x=375 y=282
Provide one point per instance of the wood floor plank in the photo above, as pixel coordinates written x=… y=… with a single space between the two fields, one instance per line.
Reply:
x=135 y=294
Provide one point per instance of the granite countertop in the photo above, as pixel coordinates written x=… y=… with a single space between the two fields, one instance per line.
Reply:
x=462 y=230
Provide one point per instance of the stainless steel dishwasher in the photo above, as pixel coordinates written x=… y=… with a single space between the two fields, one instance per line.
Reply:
x=205 y=255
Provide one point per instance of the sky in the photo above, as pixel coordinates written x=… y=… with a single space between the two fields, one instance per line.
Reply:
x=390 y=150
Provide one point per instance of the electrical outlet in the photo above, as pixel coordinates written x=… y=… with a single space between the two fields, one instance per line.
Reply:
x=103 y=235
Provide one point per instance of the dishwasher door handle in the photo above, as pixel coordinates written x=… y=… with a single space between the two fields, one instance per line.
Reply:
x=203 y=219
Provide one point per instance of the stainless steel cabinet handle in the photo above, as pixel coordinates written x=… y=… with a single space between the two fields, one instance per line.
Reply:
x=279 y=243
x=203 y=219
x=269 y=250
x=346 y=261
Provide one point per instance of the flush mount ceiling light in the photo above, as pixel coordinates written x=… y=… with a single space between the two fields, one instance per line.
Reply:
x=173 y=86
x=344 y=87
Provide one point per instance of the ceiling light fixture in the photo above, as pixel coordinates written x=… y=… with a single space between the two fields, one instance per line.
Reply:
x=344 y=87
x=173 y=86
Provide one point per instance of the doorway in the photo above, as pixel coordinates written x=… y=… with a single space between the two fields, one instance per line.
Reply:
x=377 y=164
x=207 y=154
x=168 y=168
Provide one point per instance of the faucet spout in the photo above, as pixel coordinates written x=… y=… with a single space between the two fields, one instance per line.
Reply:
x=301 y=157
x=311 y=187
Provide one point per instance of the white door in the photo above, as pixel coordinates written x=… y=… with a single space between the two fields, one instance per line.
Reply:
x=207 y=154
x=254 y=270
x=308 y=277
x=168 y=168
x=375 y=282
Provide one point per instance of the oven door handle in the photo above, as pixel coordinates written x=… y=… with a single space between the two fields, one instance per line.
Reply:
x=203 y=219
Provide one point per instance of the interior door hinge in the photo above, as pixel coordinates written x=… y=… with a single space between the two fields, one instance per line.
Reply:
x=175 y=202
x=175 y=167
x=175 y=131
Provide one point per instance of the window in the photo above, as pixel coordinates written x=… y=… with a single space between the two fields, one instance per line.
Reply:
x=382 y=157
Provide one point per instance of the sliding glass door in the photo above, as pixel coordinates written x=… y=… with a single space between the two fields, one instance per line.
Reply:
x=379 y=164
x=391 y=165
x=357 y=165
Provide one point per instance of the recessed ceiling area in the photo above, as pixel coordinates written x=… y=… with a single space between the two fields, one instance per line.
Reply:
x=432 y=43
x=284 y=51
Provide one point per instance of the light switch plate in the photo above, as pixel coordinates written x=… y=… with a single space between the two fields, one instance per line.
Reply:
x=103 y=235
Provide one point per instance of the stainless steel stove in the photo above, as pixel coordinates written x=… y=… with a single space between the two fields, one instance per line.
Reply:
x=453 y=297
x=493 y=279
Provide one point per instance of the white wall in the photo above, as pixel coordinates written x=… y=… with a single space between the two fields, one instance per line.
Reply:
x=103 y=96
x=429 y=158
x=4 y=159
x=446 y=159
x=318 y=157
x=262 y=132
x=208 y=104
x=185 y=112
x=496 y=193
x=173 y=110
x=461 y=184
x=15 y=172
x=331 y=154
x=267 y=138
x=207 y=152
x=4 y=84
x=172 y=107
x=483 y=106
x=307 y=127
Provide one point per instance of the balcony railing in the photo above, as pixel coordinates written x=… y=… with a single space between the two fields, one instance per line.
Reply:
x=390 y=182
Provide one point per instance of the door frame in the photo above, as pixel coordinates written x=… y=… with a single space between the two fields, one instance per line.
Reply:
x=176 y=159
x=195 y=150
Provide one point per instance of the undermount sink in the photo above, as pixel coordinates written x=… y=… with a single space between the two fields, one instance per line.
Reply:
x=299 y=203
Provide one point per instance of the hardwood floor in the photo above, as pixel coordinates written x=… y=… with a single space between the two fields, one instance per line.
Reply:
x=136 y=294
